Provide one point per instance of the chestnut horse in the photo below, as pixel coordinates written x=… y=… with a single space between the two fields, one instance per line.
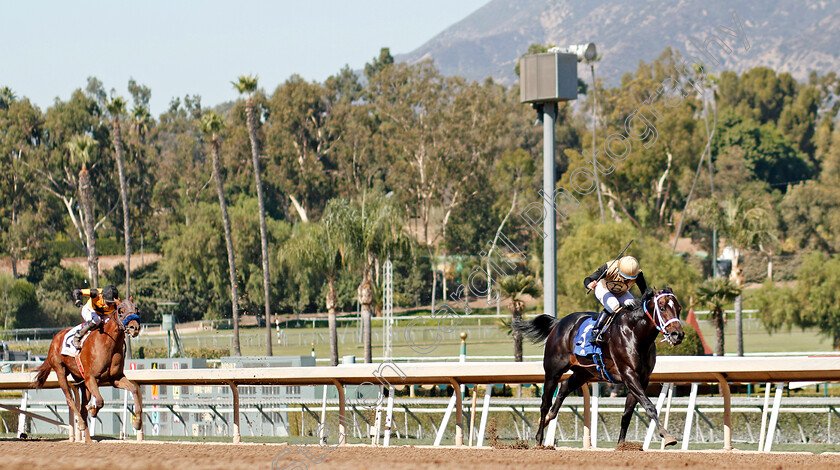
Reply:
x=102 y=358
x=629 y=354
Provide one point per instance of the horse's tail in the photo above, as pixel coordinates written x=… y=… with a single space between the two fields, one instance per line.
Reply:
x=538 y=329
x=43 y=373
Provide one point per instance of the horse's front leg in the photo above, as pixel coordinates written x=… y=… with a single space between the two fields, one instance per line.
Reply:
x=135 y=390
x=83 y=399
x=98 y=401
x=634 y=386
x=629 y=407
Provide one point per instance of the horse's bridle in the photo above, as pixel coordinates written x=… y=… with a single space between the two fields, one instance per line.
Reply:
x=659 y=322
x=119 y=319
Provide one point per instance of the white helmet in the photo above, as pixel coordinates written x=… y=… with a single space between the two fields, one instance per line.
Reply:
x=628 y=267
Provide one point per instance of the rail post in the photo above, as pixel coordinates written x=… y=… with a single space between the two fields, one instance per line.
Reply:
x=23 y=418
x=593 y=426
x=767 y=388
x=587 y=419
x=689 y=415
x=342 y=415
x=459 y=414
x=488 y=392
x=774 y=416
x=727 y=411
x=237 y=438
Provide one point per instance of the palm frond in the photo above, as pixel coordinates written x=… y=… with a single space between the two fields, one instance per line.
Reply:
x=212 y=123
x=246 y=84
x=116 y=107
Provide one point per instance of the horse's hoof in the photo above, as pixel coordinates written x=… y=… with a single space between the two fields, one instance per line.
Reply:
x=139 y=435
x=669 y=440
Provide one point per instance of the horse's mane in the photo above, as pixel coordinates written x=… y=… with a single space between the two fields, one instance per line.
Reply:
x=637 y=312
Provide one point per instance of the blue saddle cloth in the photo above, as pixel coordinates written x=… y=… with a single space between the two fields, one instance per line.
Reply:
x=584 y=348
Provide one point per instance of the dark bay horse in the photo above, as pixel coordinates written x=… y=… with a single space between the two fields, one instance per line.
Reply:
x=629 y=354
x=102 y=361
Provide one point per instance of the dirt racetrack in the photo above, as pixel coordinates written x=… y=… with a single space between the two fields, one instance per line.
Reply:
x=30 y=455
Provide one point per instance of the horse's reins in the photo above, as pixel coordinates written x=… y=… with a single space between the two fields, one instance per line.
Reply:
x=661 y=324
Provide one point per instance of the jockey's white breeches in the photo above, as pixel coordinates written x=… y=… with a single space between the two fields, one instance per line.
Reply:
x=610 y=300
x=90 y=314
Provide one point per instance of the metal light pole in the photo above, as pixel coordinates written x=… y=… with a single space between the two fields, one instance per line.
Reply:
x=588 y=53
x=594 y=146
x=549 y=116
x=547 y=79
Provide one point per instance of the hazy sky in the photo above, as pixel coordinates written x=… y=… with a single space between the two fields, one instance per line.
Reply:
x=199 y=47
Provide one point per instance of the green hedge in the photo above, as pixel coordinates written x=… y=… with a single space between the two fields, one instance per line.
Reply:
x=151 y=352
x=691 y=345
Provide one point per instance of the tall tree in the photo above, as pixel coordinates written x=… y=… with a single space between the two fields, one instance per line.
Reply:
x=116 y=108
x=812 y=302
x=212 y=125
x=513 y=288
x=745 y=225
x=298 y=137
x=320 y=250
x=372 y=229
x=715 y=293
x=80 y=147
x=247 y=85
x=514 y=172
x=21 y=127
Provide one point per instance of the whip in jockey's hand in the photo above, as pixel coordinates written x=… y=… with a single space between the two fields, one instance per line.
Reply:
x=612 y=283
x=101 y=303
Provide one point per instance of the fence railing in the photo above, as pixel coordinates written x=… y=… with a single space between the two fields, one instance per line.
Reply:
x=721 y=370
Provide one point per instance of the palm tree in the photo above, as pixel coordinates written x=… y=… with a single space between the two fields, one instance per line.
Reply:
x=212 y=124
x=321 y=249
x=514 y=287
x=7 y=97
x=745 y=225
x=715 y=293
x=142 y=120
x=80 y=147
x=372 y=228
x=116 y=108
x=247 y=85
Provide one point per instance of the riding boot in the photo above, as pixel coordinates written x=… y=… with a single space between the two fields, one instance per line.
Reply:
x=597 y=330
x=77 y=338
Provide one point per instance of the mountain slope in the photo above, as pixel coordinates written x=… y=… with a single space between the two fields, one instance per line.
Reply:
x=794 y=36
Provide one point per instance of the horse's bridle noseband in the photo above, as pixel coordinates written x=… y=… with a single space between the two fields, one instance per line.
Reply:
x=660 y=322
x=119 y=318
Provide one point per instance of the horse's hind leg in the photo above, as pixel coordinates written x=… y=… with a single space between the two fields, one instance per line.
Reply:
x=69 y=395
x=568 y=386
x=629 y=407
x=548 y=395
x=634 y=386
